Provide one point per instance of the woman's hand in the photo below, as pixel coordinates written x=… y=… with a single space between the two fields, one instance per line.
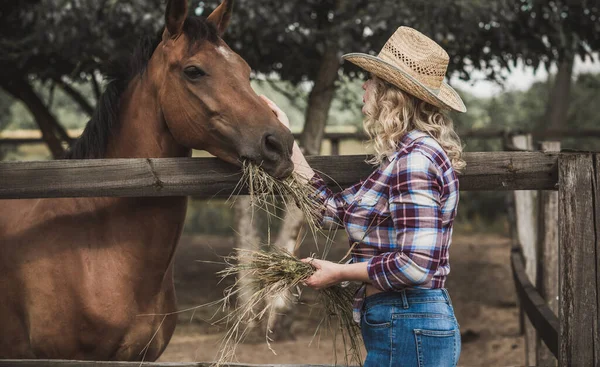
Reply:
x=281 y=116
x=328 y=273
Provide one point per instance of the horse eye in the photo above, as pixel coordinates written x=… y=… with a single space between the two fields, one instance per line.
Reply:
x=194 y=72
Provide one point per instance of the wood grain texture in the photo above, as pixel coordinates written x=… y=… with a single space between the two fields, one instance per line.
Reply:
x=210 y=177
x=547 y=258
x=526 y=220
x=69 y=363
x=536 y=309
x=578 y=260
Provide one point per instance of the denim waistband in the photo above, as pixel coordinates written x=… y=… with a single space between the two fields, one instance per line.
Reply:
x=407 y=296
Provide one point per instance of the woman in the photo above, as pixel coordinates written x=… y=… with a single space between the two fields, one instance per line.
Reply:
x=400 y=218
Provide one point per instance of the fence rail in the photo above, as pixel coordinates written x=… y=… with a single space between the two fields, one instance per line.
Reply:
x=210 y=177
x=73 y=363
x=541 y=316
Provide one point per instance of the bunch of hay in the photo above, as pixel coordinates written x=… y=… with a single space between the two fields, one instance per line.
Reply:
x=275 y=272
x=273 y=195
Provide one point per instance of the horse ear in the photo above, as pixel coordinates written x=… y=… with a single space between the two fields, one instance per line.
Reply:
x=221 y=16
x=175 y=15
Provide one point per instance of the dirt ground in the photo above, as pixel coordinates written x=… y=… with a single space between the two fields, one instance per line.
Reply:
x=480 y=285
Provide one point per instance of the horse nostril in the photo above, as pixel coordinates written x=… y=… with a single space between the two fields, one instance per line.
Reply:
x=272 y=147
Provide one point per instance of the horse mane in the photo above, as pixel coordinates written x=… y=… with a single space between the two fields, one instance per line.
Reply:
x=93 y=141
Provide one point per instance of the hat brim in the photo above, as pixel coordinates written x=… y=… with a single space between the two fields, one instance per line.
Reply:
x=446 y=97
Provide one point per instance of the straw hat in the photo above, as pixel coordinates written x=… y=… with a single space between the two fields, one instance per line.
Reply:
x=414 y=63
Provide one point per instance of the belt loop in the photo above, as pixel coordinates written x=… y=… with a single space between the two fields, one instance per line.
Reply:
x=447 y=296
x=404 y=299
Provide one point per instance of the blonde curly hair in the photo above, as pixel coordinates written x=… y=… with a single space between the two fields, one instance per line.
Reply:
x=391 y=113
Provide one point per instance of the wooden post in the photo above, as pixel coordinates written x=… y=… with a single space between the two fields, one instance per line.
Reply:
x=335 y=146
x=507 y=145
x=525 y=218
x=579 y=223
x=547 y=256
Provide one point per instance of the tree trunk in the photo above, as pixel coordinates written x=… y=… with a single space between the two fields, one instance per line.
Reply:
x=319 y=102
x=76 y=96
x=560 y=96
x=246 y=238
x=52 y=132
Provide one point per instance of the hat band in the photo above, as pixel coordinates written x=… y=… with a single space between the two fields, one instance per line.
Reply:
x=434 y=91
x=432 y=82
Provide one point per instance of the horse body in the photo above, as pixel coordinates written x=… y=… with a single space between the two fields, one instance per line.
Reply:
x=83 y=292
x=92 y=278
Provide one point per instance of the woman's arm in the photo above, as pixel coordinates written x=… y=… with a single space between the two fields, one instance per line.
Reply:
x=416 y=213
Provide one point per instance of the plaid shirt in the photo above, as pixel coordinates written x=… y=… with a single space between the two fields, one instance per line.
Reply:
x=400 y=218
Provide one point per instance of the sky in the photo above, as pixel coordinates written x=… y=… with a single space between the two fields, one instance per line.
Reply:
x=520 y=78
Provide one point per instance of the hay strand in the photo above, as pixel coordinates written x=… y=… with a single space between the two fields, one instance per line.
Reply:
x=275 y=271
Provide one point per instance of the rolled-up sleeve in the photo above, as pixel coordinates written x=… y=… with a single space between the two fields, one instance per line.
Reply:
x=334 y=204
x=414 y=199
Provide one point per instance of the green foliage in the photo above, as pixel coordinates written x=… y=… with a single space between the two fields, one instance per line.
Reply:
x=55 y=38
x=289 y=37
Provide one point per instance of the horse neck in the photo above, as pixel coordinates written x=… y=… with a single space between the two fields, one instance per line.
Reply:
x=143 y=133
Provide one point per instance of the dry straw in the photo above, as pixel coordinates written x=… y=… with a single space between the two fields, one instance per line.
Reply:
x=272 y=195
x=276 y=272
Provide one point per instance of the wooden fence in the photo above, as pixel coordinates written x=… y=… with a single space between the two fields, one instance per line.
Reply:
x=575 y=175
x=66 y=363
x=556 y=275
x=336 y=138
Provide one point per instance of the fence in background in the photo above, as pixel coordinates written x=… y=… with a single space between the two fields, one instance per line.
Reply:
x=337 y=138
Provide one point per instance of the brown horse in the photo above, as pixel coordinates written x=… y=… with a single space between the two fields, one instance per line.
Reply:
x=75 y=274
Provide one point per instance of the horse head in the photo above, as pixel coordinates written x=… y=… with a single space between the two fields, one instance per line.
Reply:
x=205 y=94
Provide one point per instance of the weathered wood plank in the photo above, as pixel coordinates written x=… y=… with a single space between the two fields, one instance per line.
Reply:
x=536 y=309
x=547 y=258
x=69 y=363
x=578 y=260
x=210 y=177
x=525 y=218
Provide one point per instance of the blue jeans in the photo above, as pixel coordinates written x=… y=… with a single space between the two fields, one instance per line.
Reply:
x=410 y=328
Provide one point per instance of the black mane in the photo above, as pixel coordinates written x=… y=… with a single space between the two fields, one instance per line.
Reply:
x=93 y=141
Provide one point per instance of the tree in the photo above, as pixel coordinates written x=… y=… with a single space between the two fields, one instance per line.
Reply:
x=61 y=41
x=555 y=32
